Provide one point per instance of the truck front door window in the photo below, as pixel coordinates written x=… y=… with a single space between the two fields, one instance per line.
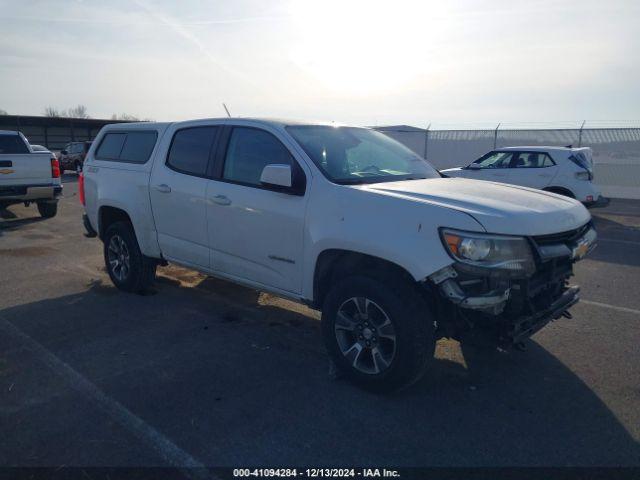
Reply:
x=249 y=151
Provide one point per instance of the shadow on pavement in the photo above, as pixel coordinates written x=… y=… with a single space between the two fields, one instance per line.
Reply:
x=623 y=237
x=235 y=380
x=9 y=221
x=69 y=178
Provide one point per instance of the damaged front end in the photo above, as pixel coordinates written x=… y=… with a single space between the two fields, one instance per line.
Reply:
x=505 y=289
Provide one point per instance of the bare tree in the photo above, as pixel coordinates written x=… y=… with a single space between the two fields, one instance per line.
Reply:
x=78 y=112
x=3 y=112
x=52 y=112
x=75 y=112
x=125 y=116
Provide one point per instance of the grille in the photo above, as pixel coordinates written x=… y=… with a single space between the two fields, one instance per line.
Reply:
x=563 y=237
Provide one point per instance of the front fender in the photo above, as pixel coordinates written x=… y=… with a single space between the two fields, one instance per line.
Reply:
x=396 y=230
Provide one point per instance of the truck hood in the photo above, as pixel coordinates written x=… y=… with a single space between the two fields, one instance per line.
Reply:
x=498 y=207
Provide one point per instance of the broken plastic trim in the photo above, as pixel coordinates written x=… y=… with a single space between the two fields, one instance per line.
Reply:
x=492 y=302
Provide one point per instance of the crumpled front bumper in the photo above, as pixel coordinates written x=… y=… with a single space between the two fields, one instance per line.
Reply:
x=524 y=327
x=516 y=307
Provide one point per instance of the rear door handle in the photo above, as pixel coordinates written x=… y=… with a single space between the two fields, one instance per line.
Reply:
x=222 y=200
x=164 y=188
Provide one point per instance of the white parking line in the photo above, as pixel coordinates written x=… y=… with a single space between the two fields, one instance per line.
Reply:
x=169 y=451
x=612 y=307
x=626 y=242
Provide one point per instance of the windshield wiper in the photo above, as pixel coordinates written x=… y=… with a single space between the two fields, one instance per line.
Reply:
x=412 y=178
x=355 y=181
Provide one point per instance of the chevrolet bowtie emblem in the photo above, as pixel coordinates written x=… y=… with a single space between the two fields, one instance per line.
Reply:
x=6 y=171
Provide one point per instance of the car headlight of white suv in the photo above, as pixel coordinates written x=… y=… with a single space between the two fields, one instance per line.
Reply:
x=487 y=251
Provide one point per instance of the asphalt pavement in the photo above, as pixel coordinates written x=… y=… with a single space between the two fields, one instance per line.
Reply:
x=203 y=372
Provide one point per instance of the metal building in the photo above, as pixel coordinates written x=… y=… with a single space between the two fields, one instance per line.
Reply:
x=54 y=132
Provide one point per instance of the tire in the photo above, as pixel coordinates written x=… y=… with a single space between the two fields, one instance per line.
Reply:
x=386 y=365
x=48 y=209
x=128 y=268
x=560 y=191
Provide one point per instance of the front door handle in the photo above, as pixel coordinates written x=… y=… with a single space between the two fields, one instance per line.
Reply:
x=222 y=200
x=164 y=188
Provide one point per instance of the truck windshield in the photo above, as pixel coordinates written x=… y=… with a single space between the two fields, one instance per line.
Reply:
x=351 y=155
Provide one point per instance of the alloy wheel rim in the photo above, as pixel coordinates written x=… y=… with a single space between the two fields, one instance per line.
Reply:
x=365 y=335
x=118 y=254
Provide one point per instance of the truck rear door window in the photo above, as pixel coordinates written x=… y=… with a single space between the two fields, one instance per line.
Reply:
x=12 y=144
x=129 y=147
x=190 y=150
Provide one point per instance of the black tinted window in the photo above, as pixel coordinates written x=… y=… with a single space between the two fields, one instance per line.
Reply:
x=111 y=146
x=131 y=147
x=532 y=160
x=249 y=151
x=12 y=144
x=494 y=160
x=137 y=146
x=190 y=150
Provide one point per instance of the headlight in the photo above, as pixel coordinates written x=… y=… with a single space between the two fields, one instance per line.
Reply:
x=500 y=252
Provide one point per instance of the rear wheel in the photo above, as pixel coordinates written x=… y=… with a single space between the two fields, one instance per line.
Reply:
x=48 y=209
x=379 y=334
x=128 y=268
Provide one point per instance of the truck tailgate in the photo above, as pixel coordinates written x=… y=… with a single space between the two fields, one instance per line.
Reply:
x=25 y=168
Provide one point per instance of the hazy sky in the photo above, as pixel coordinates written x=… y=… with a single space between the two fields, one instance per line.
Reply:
x=365 y=62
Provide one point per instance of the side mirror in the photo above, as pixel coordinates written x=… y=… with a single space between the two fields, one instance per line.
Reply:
x=474 y=166
x=277 y=175
x=63 y=152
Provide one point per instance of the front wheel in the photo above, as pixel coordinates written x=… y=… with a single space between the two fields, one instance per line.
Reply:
x=379 y=334
x=128 y=268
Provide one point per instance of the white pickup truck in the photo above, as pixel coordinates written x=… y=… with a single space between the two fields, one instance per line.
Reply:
x=28 y=176
x=343 y=219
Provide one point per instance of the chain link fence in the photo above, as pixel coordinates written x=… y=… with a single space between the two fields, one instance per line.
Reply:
x=616 y=151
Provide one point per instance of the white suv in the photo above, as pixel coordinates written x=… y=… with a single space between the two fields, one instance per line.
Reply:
x=341 y=218
x=564 y=170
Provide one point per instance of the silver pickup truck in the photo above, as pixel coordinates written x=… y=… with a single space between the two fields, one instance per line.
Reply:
x=27 y=176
